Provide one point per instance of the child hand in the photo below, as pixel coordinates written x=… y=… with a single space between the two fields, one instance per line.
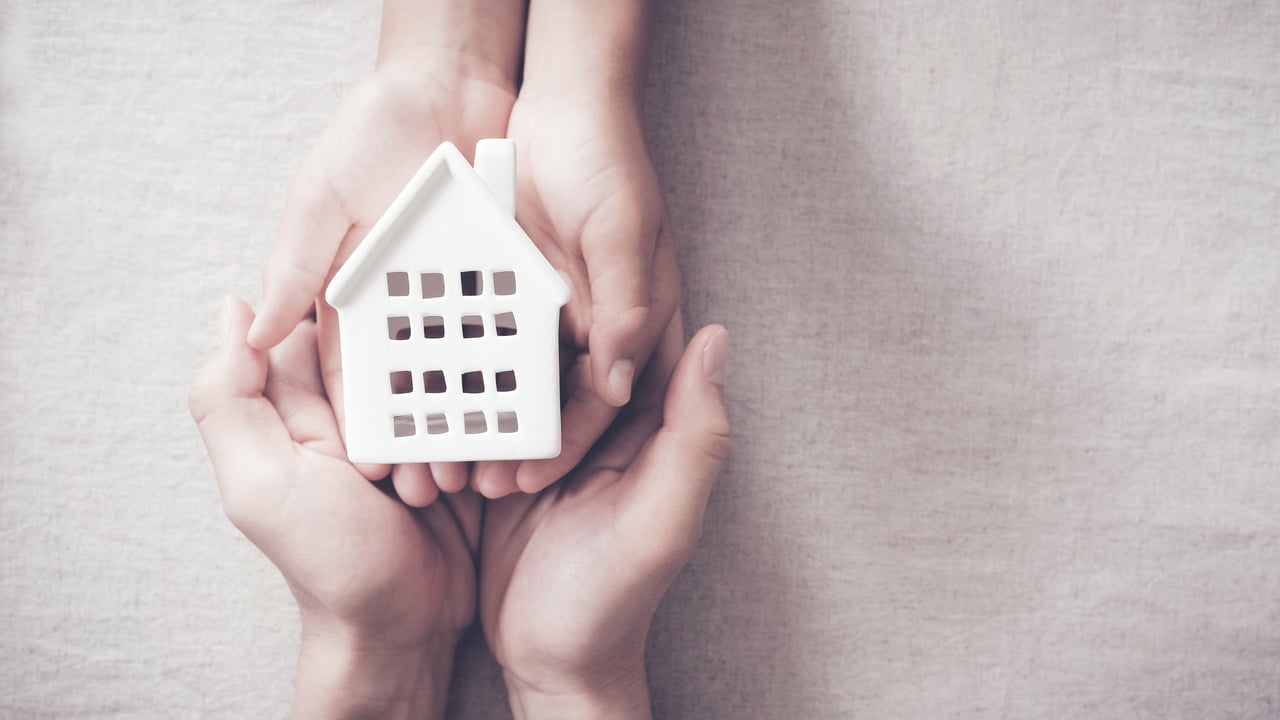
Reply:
x=589 y=198
x=379 y=137
x=570 y=578
x=384 y=590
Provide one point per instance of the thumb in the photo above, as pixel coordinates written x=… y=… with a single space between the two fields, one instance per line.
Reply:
x=315 y=222
x=673 y=476
x=619 y=256
x=243 y=433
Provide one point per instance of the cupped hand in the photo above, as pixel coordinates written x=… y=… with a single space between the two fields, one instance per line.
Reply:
x=367 y=570
x=379 y=137
x=588 y=195
x=570 y=578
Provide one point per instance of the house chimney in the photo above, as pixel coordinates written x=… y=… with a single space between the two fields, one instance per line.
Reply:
x=496 y=165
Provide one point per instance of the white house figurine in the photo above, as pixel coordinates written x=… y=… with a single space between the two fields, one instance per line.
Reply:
x=449 y=319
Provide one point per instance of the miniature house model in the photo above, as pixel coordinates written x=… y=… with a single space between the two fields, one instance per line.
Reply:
x=449 y=319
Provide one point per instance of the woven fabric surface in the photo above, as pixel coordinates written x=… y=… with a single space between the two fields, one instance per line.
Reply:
x=1002 y=283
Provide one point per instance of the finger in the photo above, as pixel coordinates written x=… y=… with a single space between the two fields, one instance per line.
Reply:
x=674 y=473
x=496 y=479
x=330 y=350
x=414 y=484
x=295 y=389
x=243 y=433
x=450 y=477
x=641 y=418
x=618 y=248
x=584 y=418
x=314 y=223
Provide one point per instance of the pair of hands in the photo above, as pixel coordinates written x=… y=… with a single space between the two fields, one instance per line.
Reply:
x=565 y=581
x=588 y=197
x=389 y=575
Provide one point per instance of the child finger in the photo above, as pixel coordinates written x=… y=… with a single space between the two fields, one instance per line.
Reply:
x=584 y=418
x=618 y=249
x=414 y=484
x=496 y=479
x=642 y=417
x=313 y=225
x=450 y=477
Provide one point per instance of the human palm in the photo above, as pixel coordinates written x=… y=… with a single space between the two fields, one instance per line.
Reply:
x=392 y=570
x=589 y=198
x=359 y=561
x=570 y=578
x=378 y=138
x=552 y=564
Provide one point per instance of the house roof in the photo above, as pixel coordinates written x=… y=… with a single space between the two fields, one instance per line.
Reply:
x=389 y=230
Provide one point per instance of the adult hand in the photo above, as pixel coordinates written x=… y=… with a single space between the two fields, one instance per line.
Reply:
x=570 y=578
x=384 y=590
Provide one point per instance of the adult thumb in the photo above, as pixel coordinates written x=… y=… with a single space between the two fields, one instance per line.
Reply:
x=675 y=473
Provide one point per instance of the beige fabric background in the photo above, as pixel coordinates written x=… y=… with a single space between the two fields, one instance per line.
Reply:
x=1002 y=283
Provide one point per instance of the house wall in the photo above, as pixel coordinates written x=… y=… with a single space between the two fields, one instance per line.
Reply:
x=1001 y=282
x=446 y=234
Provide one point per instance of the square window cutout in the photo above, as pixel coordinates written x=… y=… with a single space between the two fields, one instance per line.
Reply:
x=398 y=284
x=398 y=327
x=507 y=422
x=403 y=425
x=505 y=380
x=504 y=282
x=473 y=382
x=432 y=327
x=472 y=326
x=437 y=424
x=505 y=324
x=473 y=423
x=472 y=283
x=433 y=381
x=401 y=382
x=432 y=285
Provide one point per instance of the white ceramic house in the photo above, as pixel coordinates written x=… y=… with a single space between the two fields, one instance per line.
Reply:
x=449 y=319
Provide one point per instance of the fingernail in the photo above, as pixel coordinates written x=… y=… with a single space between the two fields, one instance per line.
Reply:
x=714 y=356
x=620 y=378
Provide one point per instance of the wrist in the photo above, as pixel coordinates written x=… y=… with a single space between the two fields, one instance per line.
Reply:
x=556 y=86
x=595 y=49
x=464 y=40
x=618 y=696
x=597 y=96
x=445 y=67
x=345 y=675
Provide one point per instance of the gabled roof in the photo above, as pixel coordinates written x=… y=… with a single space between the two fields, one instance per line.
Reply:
x=387 y=231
